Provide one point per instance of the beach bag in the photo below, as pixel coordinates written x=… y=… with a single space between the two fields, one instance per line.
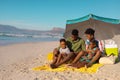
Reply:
x=111 y=51
x=108 y=60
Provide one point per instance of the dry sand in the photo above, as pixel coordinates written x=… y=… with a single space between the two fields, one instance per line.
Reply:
x=17 y=60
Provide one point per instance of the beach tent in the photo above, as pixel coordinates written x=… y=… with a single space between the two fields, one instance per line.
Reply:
x=105 y=28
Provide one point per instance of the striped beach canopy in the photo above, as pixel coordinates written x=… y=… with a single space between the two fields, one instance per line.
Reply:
x=105 y=28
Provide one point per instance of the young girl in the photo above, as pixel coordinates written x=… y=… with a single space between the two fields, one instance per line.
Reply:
x=87 y=57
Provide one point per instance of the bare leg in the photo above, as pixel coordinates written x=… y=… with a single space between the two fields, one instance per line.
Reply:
x=55 y=55
x=78 y=57
x=79 y=64
x=66 y=59
x=59 y=58
x=70 y=56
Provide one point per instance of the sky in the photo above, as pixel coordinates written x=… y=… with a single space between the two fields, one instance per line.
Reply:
x=46 y=14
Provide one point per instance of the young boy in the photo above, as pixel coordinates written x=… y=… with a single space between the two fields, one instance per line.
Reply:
x=89 y=53
x=63 y=50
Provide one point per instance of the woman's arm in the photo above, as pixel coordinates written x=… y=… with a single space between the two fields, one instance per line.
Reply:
x=90 y=56
x=95 y=58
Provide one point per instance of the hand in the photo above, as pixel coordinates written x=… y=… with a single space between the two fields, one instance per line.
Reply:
x=89 y=51
x=64 y=54
x=84 y=57
x=89 y=65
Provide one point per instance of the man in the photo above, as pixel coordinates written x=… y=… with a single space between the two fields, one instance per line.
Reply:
x=90 y=37
x=76 y=46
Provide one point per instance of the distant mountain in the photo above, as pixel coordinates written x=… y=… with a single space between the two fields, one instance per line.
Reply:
x=58 y=30
x=8 y=28
x=12 y=29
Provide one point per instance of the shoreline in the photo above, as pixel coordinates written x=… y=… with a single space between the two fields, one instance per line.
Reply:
x=15 y=43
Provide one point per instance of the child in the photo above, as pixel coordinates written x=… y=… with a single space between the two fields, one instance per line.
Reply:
x=92 y=48
x=89 y=53
x=63 y=50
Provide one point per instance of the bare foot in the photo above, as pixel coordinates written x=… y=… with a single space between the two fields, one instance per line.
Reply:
x=53 y=66
x=88 y=65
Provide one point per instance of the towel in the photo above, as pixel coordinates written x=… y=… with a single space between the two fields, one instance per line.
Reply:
x=93 y=69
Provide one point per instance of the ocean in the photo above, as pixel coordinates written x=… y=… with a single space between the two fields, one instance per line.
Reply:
x=8 y=38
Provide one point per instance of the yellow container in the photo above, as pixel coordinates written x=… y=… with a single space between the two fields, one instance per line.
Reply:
x=110 y=51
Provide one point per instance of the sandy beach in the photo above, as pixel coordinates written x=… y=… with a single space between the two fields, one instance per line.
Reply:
x=17 y=60
x=87 y=33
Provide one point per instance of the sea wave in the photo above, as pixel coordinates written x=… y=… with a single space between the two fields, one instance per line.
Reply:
x=31 y=35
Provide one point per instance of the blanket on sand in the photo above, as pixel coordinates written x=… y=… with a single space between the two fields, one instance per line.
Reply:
x=93 y=69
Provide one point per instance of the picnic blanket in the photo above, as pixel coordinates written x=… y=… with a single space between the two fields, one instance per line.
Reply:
x=93 y=69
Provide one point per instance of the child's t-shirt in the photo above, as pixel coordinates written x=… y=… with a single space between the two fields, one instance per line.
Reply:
x=66 y=50
x=88 y=42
